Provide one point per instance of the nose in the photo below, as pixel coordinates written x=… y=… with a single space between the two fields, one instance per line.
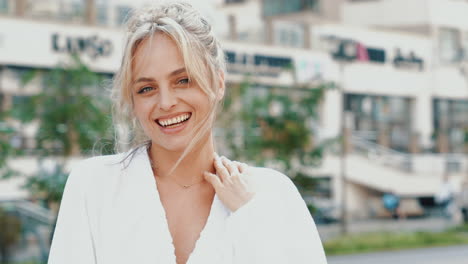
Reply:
x=167 y=99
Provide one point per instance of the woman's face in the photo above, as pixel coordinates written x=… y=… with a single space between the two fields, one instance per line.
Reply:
x=167 y=103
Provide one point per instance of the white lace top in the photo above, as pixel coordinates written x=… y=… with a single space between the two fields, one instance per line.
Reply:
x=111 y=213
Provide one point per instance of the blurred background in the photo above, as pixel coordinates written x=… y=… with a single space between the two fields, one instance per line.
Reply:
x=363 y=103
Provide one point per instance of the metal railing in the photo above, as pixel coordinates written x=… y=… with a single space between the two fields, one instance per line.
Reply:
x=451 y=162
x=30 y=210
x=382 y=155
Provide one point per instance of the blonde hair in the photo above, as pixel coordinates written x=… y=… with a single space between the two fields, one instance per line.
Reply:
x=203 y=58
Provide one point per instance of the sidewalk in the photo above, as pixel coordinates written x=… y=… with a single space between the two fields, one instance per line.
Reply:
x=329 y=231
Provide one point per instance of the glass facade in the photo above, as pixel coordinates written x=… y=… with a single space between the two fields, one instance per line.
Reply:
x=450 y=118
x=449 y=45
x=233 y=1
x=289 y=35
x=280 y=7
x=3 y=6
x=381 y=115
x=102 y=16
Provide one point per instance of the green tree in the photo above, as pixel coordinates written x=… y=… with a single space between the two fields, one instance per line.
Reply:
x=10 y=226
x=73 y=113
x=274 y=127
x=6 y=148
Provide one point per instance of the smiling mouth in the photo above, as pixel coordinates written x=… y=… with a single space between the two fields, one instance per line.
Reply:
x=175 y=121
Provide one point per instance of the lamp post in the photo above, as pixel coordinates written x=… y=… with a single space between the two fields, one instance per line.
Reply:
x=343 y=153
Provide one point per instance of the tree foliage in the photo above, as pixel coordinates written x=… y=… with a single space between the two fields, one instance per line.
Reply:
x=73 y=113
x=6 y=148
x=10 y=234
x=72 y=110
x=274 y=127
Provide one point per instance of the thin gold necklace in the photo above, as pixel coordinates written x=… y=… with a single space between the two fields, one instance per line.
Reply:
x=184 y=186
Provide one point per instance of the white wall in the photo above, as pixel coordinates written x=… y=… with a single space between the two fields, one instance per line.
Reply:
x=385 y=13
x=450 y=13
x=330 y=115
x=376 y=79
x=385 y=79
x=248 y=18
x=30 y=43
x=450 y=83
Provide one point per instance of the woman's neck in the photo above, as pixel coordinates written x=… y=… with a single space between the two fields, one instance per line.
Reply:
x=190 y=169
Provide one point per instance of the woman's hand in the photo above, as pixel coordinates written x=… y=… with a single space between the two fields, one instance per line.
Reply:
x=229 y=184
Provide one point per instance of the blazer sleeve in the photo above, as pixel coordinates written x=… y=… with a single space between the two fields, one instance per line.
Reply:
x=275 y=227
x=72 y=240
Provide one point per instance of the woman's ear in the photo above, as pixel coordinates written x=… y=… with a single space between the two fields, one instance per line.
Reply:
x=221 y=86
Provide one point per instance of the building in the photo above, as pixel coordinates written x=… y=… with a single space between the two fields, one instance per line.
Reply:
x=404 y=91
x=402 y=74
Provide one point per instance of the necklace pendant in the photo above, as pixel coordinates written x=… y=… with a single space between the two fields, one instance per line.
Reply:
x=186 y=186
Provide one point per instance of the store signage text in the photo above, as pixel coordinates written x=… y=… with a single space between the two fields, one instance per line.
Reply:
x=92 y=46
x=407 y=61
x=260 y=64
x=350 y=50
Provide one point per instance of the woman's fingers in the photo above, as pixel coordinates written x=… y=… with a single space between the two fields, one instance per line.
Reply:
x=213 y=179
x=226 y=168
x=231 y=167
x=242 y=167
x=233 y=191
x=221 y=170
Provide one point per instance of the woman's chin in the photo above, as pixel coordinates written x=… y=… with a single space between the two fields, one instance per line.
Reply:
x=170 y=146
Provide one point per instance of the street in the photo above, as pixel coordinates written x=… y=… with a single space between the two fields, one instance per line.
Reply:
x=438 y=255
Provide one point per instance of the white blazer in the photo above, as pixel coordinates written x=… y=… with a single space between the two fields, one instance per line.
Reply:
x=111 y=213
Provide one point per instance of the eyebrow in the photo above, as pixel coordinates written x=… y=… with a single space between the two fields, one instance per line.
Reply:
x=149 y=79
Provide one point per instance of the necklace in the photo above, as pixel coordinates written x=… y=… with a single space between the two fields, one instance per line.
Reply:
x=184 y=186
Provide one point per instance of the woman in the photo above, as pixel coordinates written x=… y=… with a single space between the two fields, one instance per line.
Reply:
x=170 y=198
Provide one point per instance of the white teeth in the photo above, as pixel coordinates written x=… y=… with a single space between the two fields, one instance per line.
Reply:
x=175 y=120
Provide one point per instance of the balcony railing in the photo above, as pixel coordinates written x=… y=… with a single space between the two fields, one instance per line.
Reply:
x=448 y=163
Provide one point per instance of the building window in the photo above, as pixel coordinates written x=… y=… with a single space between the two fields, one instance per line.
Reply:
x=465 y=46
x=123 y=13
x=388 y=115
x=449 y=43
x=233 y=1
x=21 y=73
x=451 y=120
x=289 y=35
x=279 y=7
x=77 y=9
x=102 y=14
x=3 y=6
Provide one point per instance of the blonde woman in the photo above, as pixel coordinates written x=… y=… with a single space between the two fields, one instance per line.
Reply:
x=168 y=198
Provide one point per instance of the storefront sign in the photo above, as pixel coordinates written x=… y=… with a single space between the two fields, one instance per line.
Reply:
x=92 y=46
x=260 y=64
x=408 y=61
x=350 y=50
x=343 y=49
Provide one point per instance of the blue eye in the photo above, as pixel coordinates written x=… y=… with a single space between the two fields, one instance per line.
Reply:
x=183 y=81
x=145 y=89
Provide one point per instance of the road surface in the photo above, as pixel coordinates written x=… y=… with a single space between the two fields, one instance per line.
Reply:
x=437 y=255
